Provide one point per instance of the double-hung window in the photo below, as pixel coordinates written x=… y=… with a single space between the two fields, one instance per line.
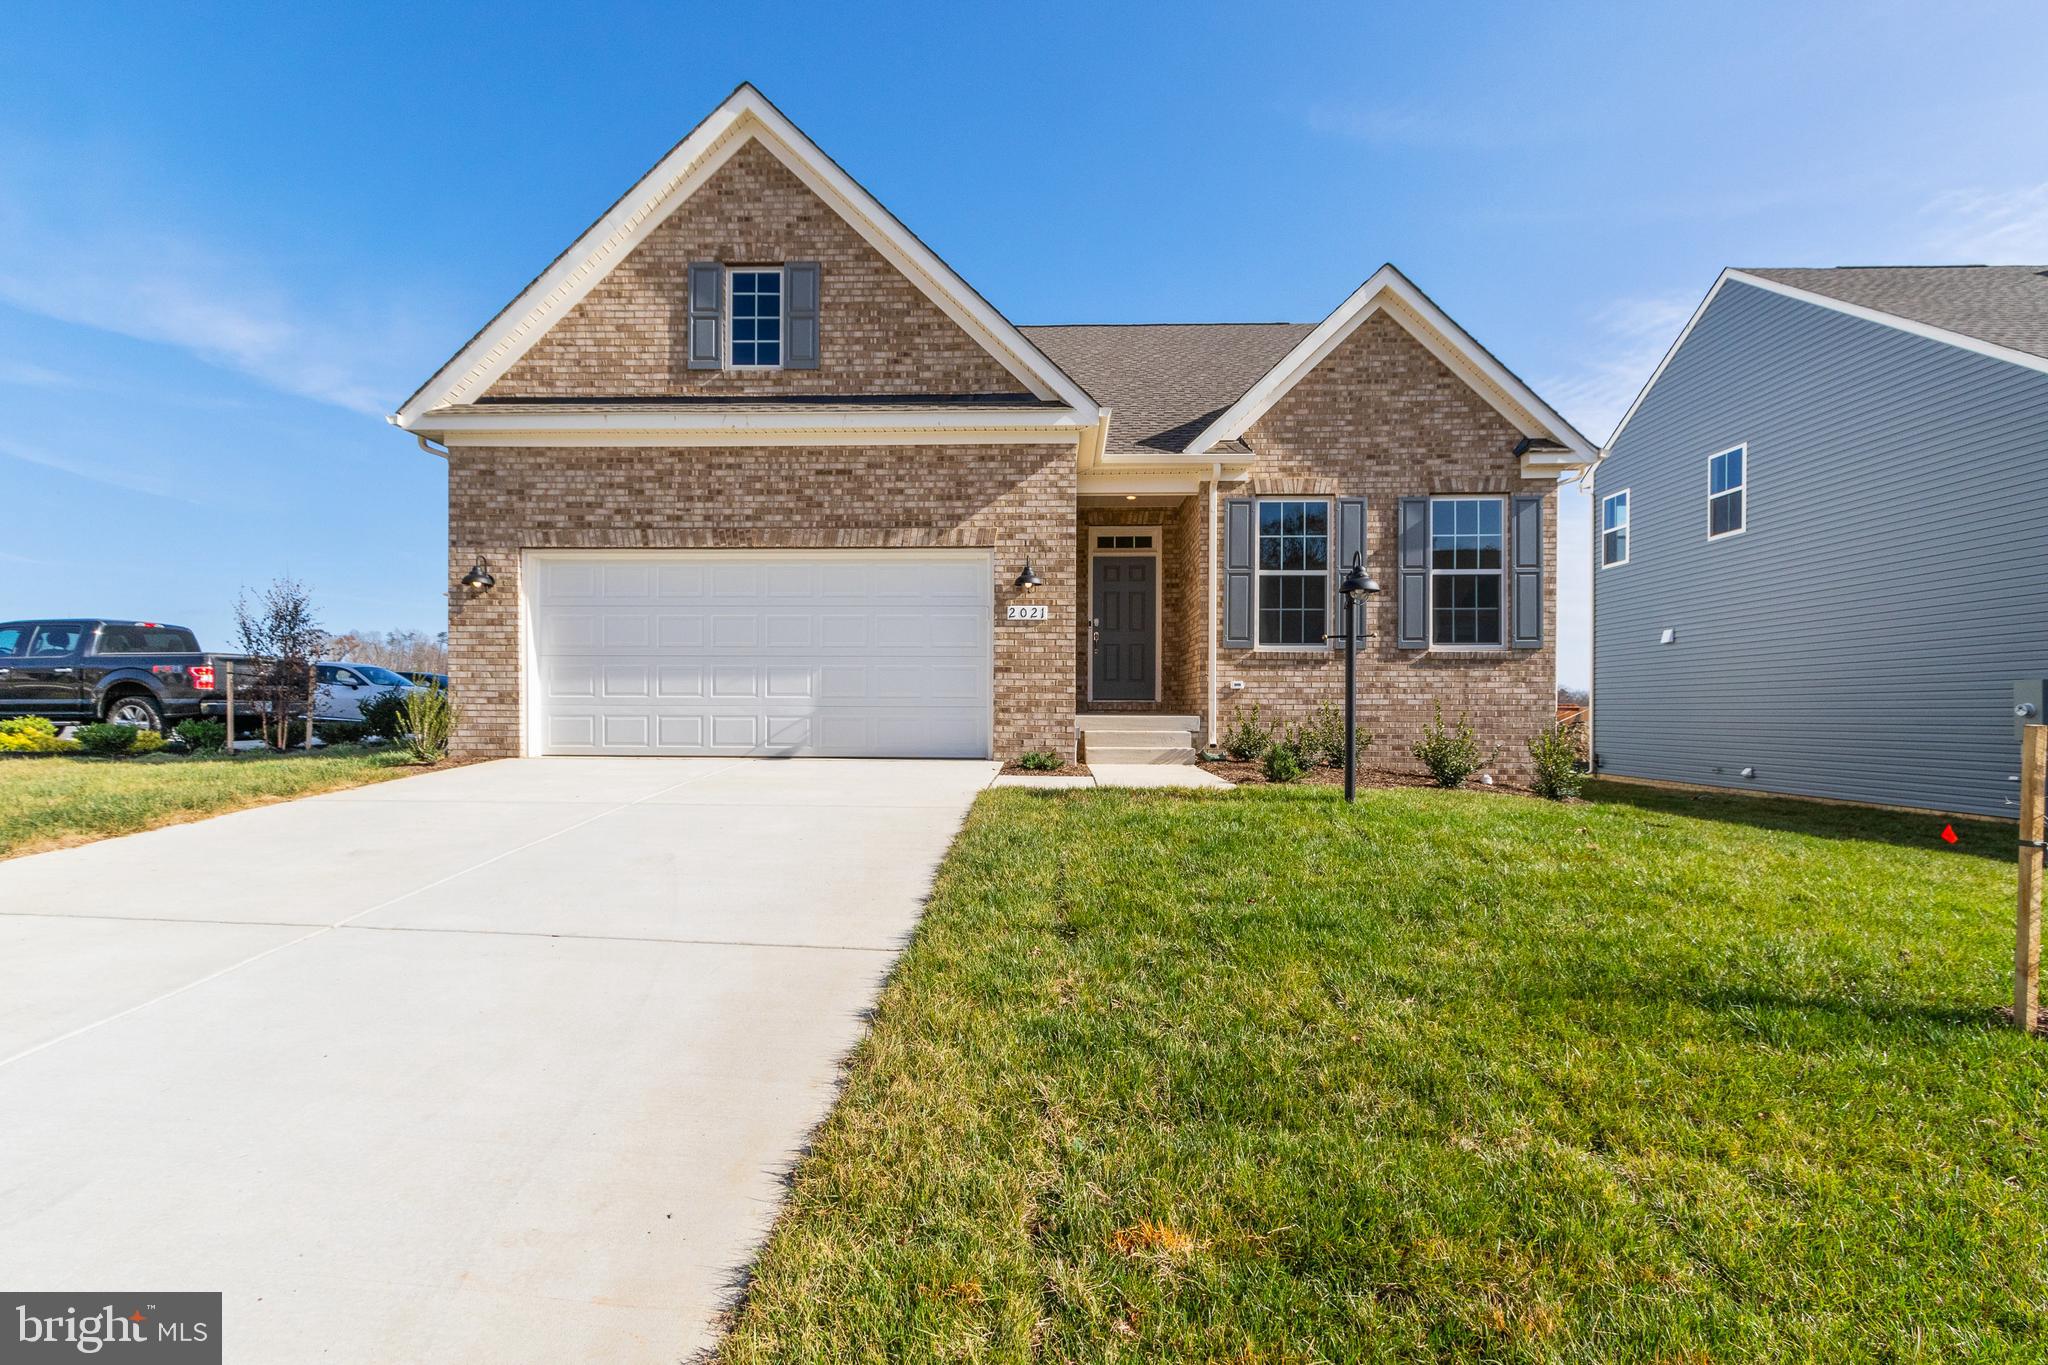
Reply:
x=1294 y=572
x=1614 y=529
x=756 y=323
x=1727 y=476
x=1465 y=558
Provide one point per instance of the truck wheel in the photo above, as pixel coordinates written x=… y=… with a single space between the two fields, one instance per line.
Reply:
x=137 y=709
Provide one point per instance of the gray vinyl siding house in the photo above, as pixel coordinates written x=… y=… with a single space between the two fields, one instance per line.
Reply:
x=1859 y=636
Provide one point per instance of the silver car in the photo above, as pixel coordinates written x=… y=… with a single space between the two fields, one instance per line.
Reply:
x=341 y=688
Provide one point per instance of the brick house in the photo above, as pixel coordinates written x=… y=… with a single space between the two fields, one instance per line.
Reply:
x=750 y=470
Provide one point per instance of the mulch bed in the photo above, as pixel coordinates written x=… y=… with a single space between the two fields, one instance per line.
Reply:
x=1253 y=775
x=1014 y=769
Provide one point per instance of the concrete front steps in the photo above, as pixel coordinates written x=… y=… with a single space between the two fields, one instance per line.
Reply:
x=1116 y=739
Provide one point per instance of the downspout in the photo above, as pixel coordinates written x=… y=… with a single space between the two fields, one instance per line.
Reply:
x=441 y=451
x=1209 y=706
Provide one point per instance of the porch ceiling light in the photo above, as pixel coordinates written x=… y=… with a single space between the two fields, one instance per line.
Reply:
x=479 y=579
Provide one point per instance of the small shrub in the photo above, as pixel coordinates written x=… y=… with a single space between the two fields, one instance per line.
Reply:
x=1248 y=737
x=340 y=731
x=384 y=715
x=428 y=718
x=1449 y=751
x=1285 y=759
x=1040 y=761
x=202 y=735
x=1323 y=738
x=107 y=739
x=1555 y=752
x=146 y=742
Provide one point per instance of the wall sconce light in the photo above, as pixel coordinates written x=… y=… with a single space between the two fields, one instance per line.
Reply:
x=479 y=579
x=1028 y=579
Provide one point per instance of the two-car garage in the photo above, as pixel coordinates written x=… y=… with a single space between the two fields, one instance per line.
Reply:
x=829 y=653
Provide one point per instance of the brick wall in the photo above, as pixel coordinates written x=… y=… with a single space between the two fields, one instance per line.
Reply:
x=1384 y=418
x=878 y=333
x=1017 y=499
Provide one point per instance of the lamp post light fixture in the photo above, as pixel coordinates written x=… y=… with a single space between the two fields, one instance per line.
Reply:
x=479 y=579
x=1355 y=588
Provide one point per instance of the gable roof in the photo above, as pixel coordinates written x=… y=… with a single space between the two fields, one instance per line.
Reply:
x=2006 y=305
x=1165 y=381
x=746 y=115
x=1995 y=310
x=1551 y=440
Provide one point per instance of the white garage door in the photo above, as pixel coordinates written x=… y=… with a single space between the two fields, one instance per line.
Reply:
x=853 y=653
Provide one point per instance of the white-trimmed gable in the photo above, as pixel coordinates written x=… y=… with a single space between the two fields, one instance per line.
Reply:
x=1557 y=444
x=2024 y=359
x=745 y=117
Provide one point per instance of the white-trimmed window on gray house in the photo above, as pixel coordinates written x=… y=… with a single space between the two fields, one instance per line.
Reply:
x=1466 y=557
x=1293 y=572
x=1614 y=529
x=755 y=318
x=1727 y=492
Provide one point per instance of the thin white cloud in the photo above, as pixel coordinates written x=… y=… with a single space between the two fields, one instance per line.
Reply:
x=30 y=375
x=146 y=293
x=104 y=253
x=94 y=471
x=1634 y=334
x=1991 y=227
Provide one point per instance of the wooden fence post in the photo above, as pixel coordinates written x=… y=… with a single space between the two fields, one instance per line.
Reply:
x=2026 y=957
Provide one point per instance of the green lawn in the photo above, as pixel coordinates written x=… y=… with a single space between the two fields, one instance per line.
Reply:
x=51 y=802
x=1248 y=1077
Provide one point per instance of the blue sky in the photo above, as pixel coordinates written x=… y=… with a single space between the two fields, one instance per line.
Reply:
x=231 y=240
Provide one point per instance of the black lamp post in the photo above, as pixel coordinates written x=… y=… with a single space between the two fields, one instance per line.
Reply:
x=1355 y=587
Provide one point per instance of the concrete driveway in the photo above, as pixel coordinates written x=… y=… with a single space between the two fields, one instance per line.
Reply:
x=499 y=1063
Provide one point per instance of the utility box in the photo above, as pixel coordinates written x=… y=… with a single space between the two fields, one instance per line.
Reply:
x=2029 y=705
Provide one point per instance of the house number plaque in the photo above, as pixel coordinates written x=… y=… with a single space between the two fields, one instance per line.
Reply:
x=1029 y=611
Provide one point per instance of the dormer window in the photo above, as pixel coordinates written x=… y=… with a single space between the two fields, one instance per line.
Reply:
x=756 y=318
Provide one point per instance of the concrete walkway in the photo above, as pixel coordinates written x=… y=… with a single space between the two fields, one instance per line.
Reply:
x=501 y=1063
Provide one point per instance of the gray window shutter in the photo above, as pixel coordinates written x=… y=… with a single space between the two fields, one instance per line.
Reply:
x=1237 y=573
x=1350 y=545
x=1526 y=547
x=800 y=315
x=1412 y=627
x=707 y=296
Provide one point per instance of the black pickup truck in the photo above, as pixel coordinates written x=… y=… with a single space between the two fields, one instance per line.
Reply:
x=137 y=673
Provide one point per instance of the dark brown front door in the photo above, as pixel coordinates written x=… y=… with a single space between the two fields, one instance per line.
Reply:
x=1125 y=630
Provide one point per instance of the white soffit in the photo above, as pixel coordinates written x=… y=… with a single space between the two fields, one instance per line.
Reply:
x=745 y=116
x=1389 y=291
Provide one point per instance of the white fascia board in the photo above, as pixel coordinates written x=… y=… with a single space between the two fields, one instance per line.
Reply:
x=497 y=426
x=1390 y=291
x=745 y=115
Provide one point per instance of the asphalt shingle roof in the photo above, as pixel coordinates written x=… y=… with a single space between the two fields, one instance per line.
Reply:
x=2006 y=305
x=1165 y=381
